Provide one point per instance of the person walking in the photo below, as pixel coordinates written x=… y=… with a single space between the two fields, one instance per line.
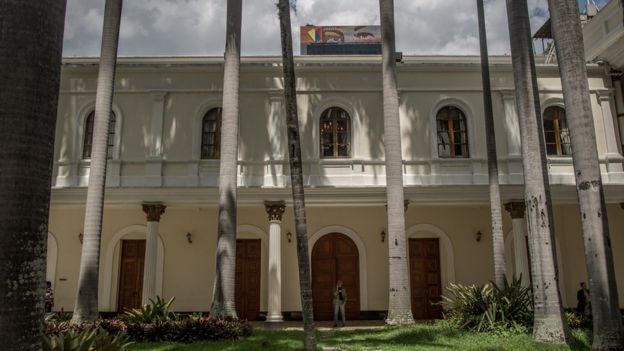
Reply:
x=340 y=298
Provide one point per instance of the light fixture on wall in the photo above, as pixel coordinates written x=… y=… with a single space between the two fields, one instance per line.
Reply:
x=289 y=236
x=81 y=238
x=478 y=236
x=383 y=235
x=189 y=238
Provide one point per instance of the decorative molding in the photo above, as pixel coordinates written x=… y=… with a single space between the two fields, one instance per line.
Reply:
x=275 y=209
x=515 y=209
x=153 y=210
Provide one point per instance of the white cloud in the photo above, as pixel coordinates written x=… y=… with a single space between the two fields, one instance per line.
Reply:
x=196 y=27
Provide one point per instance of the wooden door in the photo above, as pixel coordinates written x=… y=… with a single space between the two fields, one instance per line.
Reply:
x=425 y=280
x=131 y=274
x=247 y=288
x=335 y=257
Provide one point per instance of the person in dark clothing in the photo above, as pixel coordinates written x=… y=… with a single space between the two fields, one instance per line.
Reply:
x=340 y=298
x=582 y=296
x=49 y=297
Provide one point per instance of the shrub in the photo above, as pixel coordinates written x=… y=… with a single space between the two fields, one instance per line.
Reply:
x=489 y=308
x=86 y=340
x=155 y=311
x=185 y=330
x=189 y=330
x=577 y=322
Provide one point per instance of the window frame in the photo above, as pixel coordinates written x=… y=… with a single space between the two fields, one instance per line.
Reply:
x=560 y=144
x=87 y=135
x=335 y=133
x=216 y=154
x=451 y=132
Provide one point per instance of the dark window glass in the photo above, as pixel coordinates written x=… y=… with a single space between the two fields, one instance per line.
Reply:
x=452 y=133
x=556 y=132
x=211 y=134
x=87 y=145
x=335 y=133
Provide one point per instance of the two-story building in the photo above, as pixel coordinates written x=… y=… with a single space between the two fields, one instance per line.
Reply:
x=164 y=156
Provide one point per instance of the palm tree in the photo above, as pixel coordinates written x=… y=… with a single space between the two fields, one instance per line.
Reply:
x=399 y=306
x=549 y=325
x=30 y=67
x=568 y=36
x=86 y=308
x=498 y=239
x=223 y=301
x=296 y=175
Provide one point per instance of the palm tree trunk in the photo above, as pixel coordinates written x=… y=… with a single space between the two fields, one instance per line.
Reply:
x=30 y=67
x=399 y=305
x=296 y=175
x=498 y=239
x=223 y=303
x=549 y=325
x=86 y=308
x=566 y=26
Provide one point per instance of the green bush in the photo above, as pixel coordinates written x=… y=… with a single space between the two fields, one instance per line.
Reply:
x=195 y=328
x=189 y=330
x=155 y=311
x=577 y=322
x=489 y=308
x=86 y=340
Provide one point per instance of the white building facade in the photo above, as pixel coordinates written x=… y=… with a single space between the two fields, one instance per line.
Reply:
x=160 y=218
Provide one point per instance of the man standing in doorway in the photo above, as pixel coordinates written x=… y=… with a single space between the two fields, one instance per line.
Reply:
x=340 y=298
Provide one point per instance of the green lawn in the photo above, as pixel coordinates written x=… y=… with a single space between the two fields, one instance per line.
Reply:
x=417 y=337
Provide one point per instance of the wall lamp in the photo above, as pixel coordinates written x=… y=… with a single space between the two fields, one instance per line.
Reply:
x=383 y=235
x=478 y=236
x=289 y=236
x=189 y=238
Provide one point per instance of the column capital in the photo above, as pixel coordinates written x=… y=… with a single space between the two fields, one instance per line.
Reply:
x=515 y=209
x=604 y=94
x=275 y=209
x=153 y=210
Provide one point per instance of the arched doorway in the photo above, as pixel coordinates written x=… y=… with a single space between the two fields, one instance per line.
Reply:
x=335 y=257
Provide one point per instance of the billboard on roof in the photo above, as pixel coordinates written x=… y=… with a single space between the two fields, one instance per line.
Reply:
x=340 y=35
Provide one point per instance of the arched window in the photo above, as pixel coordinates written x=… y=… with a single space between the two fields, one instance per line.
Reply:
x=335 y=132
x=452 y=133
x=556 y=132
x=87 y=144
x=211 y=134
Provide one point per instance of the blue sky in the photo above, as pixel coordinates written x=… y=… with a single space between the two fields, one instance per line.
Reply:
x=196 y=27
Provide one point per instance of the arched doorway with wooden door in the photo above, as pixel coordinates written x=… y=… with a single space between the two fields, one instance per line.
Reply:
x=335 y=257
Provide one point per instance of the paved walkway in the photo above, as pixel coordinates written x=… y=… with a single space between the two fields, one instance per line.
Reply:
x=320 y=325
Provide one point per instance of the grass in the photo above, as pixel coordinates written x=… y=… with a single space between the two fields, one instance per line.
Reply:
x=416 y=337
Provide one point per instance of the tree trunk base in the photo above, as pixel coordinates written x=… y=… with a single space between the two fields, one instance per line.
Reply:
x=399 y=318
x=550 y=330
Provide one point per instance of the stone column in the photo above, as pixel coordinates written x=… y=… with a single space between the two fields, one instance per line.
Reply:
x=153 y=211
x=275 y=210
x=521 y=262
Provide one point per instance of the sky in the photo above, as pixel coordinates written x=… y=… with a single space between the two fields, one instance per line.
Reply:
x=197 y=27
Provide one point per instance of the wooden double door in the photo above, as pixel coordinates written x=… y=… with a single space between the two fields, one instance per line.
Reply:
x=247 y=288
x=335 y=257
x=131 y=274
x=425 y=280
